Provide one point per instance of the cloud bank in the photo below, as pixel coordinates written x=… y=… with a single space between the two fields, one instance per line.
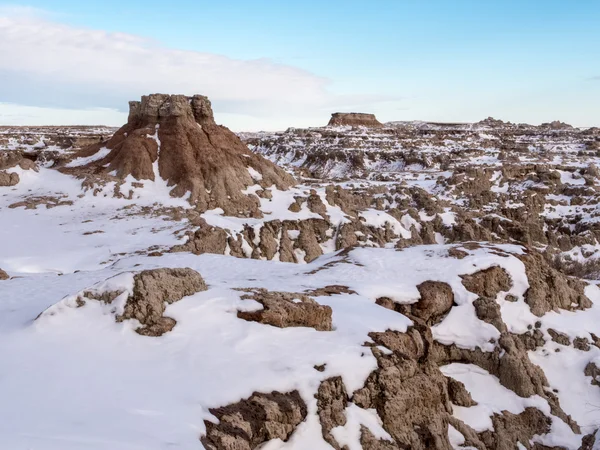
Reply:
x=51 y=65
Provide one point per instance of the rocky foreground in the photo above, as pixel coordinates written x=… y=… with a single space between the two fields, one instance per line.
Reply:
x=397 y=286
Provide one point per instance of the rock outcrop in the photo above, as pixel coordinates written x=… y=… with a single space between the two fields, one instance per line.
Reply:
x=354 y=120
x=3 y=275
x=145 y=301
x=249 y=423
x=9 y=160
x=286 y=309
x=175 y=137
x=152 y=290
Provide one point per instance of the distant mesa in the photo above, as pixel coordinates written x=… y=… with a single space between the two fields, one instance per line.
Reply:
x=354 y=120
x=175 y=138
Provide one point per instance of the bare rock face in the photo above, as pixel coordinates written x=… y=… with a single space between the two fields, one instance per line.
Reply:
x=3 y=275
x=285 y=309
x=152 y=289
x=512 y=428
x=205 y=239
x=591 y=370
x=146 y=302
x=354 y=120
x=414 y=399
x=436 y=300
x=175 y=137
x=488 y=283
x=408 y=391
x=10 y=159
x=459 y=395
x=8 y=179
x=549 y=289
x=249 y=423
x=331 y=404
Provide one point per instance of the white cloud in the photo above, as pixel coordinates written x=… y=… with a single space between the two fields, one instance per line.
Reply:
x=57 y=67
x=12 y=114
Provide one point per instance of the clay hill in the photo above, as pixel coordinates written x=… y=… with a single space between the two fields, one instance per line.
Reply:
x=175 y=137
x=354 y=120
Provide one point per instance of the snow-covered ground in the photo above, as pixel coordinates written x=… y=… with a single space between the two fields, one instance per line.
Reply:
x=74 y=377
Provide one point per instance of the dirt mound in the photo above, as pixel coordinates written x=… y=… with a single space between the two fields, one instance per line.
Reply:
x=175 y=137
x=247 y=424
x=354 y=120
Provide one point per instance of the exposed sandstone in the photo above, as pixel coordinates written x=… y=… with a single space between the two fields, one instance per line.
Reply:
x=248 y=424
x=286 y=309
x=369 y=442
x=458 y=394
x=152 y=289
x=354 y=120
x=592 y=370
x=205 y=239
x=331 y=404
x=558 y=337
x=8 y=179
x=330 y=290
x=510 y=429
x=436 y=300
x=488 y=283
x=175 y=137
x=409 y=393
x=488 y=310
x=549 y=289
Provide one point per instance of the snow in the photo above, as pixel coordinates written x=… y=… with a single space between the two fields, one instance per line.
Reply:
x=380 y=219
x=255 y=174
x=349 y=434
x=148 y=392
x=82 y=161
x=74 y=378
x=493 y=398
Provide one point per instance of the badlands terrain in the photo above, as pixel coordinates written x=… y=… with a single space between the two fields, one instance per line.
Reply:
x=407 y=285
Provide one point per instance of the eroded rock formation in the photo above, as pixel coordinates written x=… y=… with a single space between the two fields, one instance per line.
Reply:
x=247 y=424
x=354 y=120
x=152 y=291
x=286 y=309
x=175 y=137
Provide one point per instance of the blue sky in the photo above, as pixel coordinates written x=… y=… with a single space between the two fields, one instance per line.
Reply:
x=458 y=60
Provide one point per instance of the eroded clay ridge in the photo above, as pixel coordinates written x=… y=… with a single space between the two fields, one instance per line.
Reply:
x=175 y=138
x=354 y=120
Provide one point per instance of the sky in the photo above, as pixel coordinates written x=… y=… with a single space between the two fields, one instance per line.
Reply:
x=270 y=65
